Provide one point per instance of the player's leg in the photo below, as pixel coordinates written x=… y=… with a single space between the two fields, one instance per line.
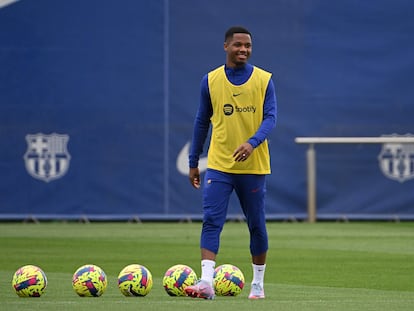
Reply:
x=216 y=193
x=251 y=191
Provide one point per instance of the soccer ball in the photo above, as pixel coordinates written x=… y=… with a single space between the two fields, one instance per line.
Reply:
x=89 y=281
x=177 y=278
x=29 y=281
x=135 y=280
x=228 y=280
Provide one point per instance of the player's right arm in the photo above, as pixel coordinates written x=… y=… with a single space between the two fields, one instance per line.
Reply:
x=194 y=176
x=200 y=132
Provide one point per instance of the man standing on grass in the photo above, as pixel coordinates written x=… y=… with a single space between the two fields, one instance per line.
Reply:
x=239 y=101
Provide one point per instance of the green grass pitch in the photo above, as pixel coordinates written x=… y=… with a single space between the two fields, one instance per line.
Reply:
x=322 y=266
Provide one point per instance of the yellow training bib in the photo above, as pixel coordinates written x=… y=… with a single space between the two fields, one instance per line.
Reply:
x=237 y=115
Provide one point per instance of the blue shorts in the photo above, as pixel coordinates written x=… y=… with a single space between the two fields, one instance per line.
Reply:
x=250 y=190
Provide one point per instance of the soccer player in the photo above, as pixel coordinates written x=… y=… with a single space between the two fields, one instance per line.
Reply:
x=238 y=100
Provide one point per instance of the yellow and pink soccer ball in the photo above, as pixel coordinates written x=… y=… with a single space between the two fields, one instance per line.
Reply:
x=177 y=278
x=135 y=280
x=228 y=280
x=89 y=281
x=29 y=281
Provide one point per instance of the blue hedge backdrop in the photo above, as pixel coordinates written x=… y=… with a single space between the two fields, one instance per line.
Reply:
x=97 y=101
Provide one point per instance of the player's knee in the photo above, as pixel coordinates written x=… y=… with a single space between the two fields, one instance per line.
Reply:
x=213 y=221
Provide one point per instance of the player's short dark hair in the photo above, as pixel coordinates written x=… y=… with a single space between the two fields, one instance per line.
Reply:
x=236 y=29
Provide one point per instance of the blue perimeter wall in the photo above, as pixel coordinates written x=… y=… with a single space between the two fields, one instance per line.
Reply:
x=97 y=101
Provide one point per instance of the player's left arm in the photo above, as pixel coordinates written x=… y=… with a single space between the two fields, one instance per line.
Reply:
x=268 y=123
x=269 y=116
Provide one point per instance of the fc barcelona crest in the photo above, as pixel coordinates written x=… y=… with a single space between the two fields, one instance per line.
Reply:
x=396 y=160
x=47 y=157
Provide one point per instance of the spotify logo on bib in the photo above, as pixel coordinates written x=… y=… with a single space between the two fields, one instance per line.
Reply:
x=228 y=109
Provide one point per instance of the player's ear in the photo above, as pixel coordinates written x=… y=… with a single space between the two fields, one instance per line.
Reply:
x=225 y=46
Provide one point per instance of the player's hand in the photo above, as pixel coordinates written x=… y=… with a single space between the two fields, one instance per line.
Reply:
x=194 y=176
x=243 y=152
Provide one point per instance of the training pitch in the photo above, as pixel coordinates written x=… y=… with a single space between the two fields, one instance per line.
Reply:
x=322 y=266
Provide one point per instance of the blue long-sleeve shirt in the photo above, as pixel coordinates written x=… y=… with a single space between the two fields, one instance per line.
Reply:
x=236 y=76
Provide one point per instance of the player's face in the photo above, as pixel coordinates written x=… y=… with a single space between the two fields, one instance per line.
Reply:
x=238 y=49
